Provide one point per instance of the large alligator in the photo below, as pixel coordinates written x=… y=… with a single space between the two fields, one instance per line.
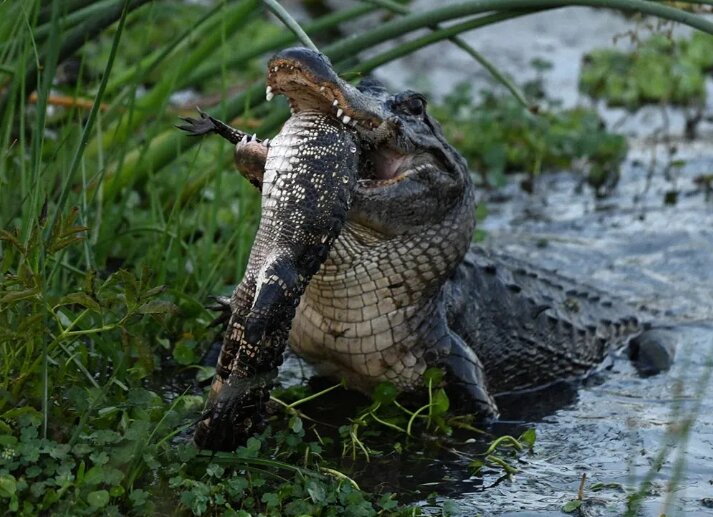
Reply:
x=402 y=288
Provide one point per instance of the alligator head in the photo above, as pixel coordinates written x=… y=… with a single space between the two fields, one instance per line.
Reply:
x=409 y=174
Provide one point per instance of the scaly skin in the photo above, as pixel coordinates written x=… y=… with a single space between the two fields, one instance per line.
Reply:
x=309 y=176
x=402 y=288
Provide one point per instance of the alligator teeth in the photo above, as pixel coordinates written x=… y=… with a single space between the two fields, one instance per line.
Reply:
x=266 y=142
x=346 y=119
x=322 y=88
x=335 y=103
x=340 y=112
x=268 y=93
x=244 y=139
x=254 y=136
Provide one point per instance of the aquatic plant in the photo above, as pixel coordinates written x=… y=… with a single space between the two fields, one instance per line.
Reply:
x=660 y=70
x=498 y=137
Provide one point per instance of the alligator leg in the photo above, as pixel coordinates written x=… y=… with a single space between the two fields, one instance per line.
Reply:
x=250 y=151
x=466 y=380
x=222 y=307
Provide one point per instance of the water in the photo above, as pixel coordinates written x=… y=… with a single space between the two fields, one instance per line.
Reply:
x=659 y=255
x=560 y=37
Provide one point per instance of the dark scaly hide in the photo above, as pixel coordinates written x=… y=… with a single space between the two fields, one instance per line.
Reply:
x=310 y=175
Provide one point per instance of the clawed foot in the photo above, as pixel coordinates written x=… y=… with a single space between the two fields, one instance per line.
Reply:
x=207 y=124
x=198 y=127
x=466 y=382
x=234 y=412
x=221 y=305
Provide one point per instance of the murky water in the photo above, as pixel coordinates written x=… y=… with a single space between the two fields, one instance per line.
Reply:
x=635 y=245
x=559 y=37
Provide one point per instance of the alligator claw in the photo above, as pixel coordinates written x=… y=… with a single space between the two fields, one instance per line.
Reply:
x=207 y=124
x=466 y=381
x=198 y=127
x=222 y=305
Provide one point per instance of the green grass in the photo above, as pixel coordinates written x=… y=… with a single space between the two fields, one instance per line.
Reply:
x=115 y=228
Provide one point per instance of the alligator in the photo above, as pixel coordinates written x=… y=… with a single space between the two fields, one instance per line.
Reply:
x=402 y=288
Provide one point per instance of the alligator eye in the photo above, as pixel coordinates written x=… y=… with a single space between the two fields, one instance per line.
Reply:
x=410 y=103
x=415 y=105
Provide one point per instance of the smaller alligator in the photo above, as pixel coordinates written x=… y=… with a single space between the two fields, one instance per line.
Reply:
x=308 y=174
x=401 y=288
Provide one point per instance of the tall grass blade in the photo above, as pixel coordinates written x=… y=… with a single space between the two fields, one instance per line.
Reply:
x=463 y=45
x=86 y=131
x=76 y=38
x=290 y=23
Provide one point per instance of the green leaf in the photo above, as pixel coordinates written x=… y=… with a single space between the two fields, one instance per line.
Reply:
x=117 y=491
x=528 y=438
x=80 y=298
x=131 y=287
x=271 y=499
x=296 y=424
x=571 y=506
x=316 y=492
x=253 y=445
x=184 y=352
x=16 y=296
x=157 y=307
x=98 y=498
x=8 y=440
x=138 y=497
x=204 y=373
x=387 y=502
x=8 y=486
x=154 y=291
x=214 y=470
x=94 y=475
x=385 y=393
x=433 y=376
x=99 y=457
x=439 y=402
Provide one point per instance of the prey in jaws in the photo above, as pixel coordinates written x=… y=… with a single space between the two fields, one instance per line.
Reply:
x=307 y=175
x=381 y=282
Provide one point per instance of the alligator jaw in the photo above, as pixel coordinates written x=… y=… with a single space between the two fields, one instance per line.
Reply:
x=309 y=82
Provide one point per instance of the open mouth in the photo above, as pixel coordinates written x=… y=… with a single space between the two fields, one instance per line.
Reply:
x=310 y=84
